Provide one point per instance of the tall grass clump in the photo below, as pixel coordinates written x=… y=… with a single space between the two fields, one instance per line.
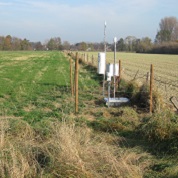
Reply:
x=66 y=151
x=142 y=98
x=79 y=152
x=132 y=88
x=140 y=95
x=17 y=158
x=123 y=121
x=161 y=129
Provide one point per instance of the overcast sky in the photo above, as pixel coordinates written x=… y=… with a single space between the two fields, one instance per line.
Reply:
x=83 y=20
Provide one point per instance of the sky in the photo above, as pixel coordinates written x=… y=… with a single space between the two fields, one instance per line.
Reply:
x=77 y=20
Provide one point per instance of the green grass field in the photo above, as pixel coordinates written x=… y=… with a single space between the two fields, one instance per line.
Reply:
x=40 y=136
x=30 y=82
x=35 y=84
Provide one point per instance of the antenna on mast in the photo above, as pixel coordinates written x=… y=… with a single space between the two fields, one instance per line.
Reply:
x=115 y=41
x=105 y=55
x=105 y=36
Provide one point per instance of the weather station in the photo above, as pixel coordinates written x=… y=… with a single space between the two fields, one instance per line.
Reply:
x=110 y=71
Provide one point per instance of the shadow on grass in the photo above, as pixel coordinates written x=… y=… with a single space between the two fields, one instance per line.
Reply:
x=129 y=137
x=56 y=87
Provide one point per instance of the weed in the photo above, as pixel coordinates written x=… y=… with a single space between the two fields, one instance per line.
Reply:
x=141 y=97
x=125 y=121
x=132 y=89
x=161 y=129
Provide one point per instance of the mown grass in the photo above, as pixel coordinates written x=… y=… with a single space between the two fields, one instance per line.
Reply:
x=31 y=86
x=41 y=137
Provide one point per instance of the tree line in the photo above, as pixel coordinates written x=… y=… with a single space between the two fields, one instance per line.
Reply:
x=8 y=43
x=13 y=43
x=166 y=41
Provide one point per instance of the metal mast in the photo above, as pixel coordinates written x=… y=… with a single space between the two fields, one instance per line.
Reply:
x=105 y=55
x=115 y=41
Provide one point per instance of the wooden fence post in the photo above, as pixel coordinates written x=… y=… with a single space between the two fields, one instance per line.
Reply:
x=76 y=84
x=71 y=84
x=151 y=88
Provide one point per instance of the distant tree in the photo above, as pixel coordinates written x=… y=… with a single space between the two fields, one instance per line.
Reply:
x=99 y=46
x=145 y=45
x=121 y=45
x=37 y=46
x=7 y=43
x=16 y=43
x=51 y=44
x=54 y=44
x=82 y=46
x=168 y=30
x=129 y=42
x=163 y=36
x=1 y=42
x=137 y=44
x=90 y=46
x=25 y=44
x=58 y=43
x=66 y=45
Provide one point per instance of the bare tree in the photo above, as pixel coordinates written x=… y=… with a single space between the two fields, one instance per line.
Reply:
x=1 y=42
x=145 y=45
x=66 y=45
x=168 y=30
x=7 y=43
x=129 y=42
x=16 y=43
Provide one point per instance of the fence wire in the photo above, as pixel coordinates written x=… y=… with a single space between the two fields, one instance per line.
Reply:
x=166 y=87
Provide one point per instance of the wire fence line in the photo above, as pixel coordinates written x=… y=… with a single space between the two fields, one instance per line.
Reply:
x=166 y=87
x=90 y=64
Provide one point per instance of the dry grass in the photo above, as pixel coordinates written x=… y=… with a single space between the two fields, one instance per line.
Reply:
x=17 y=159
x=89 y=155
x=66 y=151
x=25 y=57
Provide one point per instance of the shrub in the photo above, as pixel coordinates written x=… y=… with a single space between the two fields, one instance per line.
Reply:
x=132 y=89
x=142 y=99
x=165 y=48
x=161 y=128
x=140 y=95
